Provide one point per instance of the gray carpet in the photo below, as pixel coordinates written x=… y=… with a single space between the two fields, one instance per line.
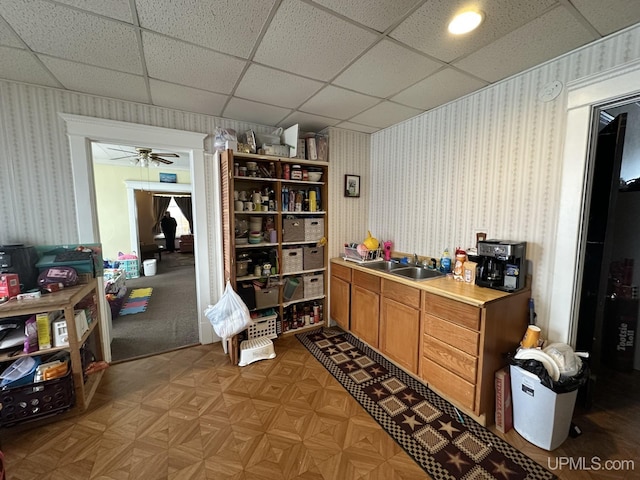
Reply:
x=171 y=319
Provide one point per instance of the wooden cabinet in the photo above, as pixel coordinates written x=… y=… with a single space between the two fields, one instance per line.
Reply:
x=463 y=346
x=365 y=307
x=340 y=299
x=66 y=301
x=400 y=324
x=272 y=217
x=450 y=334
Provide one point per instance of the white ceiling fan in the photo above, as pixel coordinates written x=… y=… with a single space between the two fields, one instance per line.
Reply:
x=144 y=157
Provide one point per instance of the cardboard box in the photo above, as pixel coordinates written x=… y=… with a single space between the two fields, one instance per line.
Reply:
x=504 y=406
x=9 y=285
x=82 y=325
x=43 y=323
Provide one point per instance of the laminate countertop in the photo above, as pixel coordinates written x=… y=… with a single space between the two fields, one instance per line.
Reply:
x=445 y=286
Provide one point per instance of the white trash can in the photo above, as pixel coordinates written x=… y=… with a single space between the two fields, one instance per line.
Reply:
x=150 y=267
x=540 y=415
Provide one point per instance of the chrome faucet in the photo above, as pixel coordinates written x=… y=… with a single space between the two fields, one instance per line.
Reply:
x=416 y=261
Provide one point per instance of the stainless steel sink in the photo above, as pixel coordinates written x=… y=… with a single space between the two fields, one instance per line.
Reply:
x=416 y=273
x=385 y=266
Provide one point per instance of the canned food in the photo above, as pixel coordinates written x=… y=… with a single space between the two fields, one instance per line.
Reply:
x=296 y=172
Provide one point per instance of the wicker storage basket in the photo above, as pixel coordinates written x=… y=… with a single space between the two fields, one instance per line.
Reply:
x=313 y=229
x=313 y=285
x=293 y=230
x=313 y=258
x=292 y=260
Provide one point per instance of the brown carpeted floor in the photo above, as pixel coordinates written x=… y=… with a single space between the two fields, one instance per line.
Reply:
x=171 y=319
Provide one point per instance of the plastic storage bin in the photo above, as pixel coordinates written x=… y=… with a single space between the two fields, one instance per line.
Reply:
x=540 y=415
x=35 y=400
x=131 y=268
x=263 y=327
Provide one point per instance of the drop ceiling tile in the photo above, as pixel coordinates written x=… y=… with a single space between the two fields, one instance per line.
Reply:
x=376 y=14
x=386 y=69
x=311 y=42
x=308 y=122
x=223 y=26
x=96 y=80
x=552 y=34
x=74 y=35
x=610 y=16
x=239 y=109
x=190 y=65
x=186 y=98
x=438 y=89
x=356 y=127
x=22 y=66
x=426 y=28
x=275 y=87
x=118 y=9
x=8 y=38
x=385 y=114
x=338 y=103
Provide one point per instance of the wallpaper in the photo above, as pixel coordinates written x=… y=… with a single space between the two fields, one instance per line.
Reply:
x=489 y=162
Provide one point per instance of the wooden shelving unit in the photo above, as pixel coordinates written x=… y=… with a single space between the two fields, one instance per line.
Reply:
x=66 y=301
x=277 y=184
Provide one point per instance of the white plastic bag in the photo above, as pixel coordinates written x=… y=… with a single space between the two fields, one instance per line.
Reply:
x=230 y=315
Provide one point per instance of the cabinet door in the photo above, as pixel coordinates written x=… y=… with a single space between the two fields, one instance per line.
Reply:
x=340 y=301
x=365 y=311
x=400 y=333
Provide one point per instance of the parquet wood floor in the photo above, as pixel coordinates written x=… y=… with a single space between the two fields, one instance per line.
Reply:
x=189 y=414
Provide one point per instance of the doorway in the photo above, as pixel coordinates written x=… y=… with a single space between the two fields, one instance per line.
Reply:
x=82 y=130
x=129 y=203
x=602 y=298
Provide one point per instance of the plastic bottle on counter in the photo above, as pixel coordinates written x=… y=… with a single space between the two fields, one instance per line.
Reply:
x=445 y=262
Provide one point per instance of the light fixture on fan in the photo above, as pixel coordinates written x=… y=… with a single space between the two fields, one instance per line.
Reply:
x=145 y=157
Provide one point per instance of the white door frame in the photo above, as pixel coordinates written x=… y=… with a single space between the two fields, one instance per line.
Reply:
x=82 y=131
x=583 y=97
x=132 y=186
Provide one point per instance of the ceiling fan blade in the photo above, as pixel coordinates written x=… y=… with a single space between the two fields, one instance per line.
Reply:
x=165 y=155
x=162 y=160
x=120 y=150
x=126 y=156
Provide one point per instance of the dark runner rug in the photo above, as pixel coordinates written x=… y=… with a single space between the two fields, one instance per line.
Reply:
x=426 y=426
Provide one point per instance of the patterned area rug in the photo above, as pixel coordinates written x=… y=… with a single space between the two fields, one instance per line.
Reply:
x=137 y=301
x=445 y=443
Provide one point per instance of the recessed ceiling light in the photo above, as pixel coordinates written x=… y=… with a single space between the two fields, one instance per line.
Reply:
x=465 y=22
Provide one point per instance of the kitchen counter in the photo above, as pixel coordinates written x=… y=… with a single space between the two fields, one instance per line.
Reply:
x=444 y=286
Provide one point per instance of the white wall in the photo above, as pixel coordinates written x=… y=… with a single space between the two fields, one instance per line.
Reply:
x=490 y=161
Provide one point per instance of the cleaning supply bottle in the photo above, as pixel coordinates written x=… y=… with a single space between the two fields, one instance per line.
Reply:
x=445 y=262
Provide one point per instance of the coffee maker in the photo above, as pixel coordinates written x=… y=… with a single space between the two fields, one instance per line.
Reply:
x=501 y=265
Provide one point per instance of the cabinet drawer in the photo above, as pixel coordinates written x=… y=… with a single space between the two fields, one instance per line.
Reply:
x=452 y=310
x=448 y=384
x=401 y=293
x=455 y=335
x=366 y=280
x=341 y=271
x=451 y=358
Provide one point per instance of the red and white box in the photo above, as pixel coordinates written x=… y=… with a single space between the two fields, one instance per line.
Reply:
x=504 y=405
x=9 y=285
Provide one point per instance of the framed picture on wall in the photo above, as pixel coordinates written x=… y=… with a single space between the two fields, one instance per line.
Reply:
x=352 y=185
x=168 y=178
